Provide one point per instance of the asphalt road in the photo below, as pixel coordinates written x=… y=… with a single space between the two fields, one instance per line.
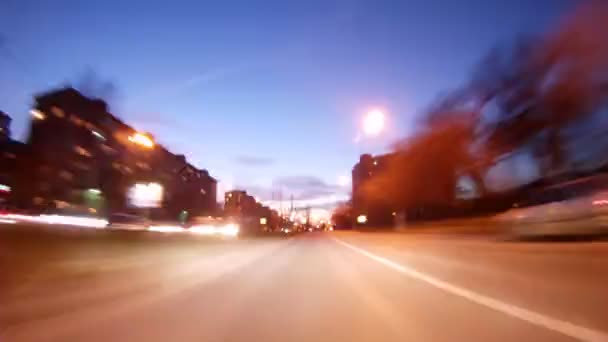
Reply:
x=109 y=286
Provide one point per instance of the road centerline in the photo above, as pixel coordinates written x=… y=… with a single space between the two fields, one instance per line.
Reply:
x=554 y=324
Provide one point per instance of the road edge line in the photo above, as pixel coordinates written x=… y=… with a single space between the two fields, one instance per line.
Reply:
x=554 y=324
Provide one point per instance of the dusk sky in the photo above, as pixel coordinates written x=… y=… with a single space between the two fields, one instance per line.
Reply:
x=266 y=95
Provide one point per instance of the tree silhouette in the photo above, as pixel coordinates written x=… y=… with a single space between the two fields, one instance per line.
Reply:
x=90 y=84
x=542 y=85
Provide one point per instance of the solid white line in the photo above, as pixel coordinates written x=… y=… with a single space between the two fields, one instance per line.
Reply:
x=563 y=327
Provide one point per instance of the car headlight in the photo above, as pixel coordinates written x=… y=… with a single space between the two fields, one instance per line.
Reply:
x=231 y=229
x=203 y=230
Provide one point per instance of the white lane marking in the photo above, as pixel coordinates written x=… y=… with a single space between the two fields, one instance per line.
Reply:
x=563 y=327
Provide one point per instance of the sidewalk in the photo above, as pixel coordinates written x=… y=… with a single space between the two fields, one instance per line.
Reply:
x=475 y=226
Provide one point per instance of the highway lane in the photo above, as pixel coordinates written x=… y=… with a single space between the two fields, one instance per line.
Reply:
x=321 y=287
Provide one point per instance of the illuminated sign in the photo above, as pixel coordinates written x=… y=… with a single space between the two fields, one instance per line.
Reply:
x=145 y=195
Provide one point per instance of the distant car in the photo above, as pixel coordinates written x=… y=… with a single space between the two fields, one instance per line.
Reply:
x=128 y=221
x=207 y=225
x=578 y=207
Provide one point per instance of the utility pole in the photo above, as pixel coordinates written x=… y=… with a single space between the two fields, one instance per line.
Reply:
x=307 y=217
x=281 y=201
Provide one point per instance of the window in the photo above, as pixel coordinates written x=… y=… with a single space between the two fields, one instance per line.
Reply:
x=58 y=112
x=76 y=120
x=143 y=165
x=107 y=149
x=81 y=166
x=82 y=151
x=66 y=175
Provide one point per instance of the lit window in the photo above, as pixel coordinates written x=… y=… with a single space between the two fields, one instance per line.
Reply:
x=66 y=175
x=61 y=204
x=82 y=151
x=76 y=120
x=82 y=166
x=57 y=112
x=107 y=149
x=143 y=165
x=98 y=135
x=38 y=115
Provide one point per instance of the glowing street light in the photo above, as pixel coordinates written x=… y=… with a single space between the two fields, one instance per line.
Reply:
x=361 y=219
x=142 y=140
x=373 y=123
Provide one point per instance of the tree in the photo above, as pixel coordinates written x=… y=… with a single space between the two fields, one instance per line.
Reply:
x=425 y=168
x=342 y=215
x=542 y=85
x=90 y=84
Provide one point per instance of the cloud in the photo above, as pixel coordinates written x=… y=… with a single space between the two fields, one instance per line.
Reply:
x=169 y=88
x=302 y=183
x=305 y=188
x=307 y=191
x=254 y=161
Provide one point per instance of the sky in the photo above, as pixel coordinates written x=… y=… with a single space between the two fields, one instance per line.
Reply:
x=267 y=95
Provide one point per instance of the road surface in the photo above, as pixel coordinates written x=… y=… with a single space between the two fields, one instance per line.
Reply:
x=103 y=286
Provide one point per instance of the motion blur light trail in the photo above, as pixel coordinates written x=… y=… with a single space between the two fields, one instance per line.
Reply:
x=230 y=229
x=75 y=221
x=56 y=219
x=166 y=229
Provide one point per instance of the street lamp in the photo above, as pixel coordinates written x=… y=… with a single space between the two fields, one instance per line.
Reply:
x=373 y=123
x=141 y=140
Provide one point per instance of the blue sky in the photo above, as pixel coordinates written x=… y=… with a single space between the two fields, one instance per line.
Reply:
x=267 y=95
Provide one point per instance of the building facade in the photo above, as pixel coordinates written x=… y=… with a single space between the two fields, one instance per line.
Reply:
x=12 y=152
x=83 y=156
x=376 y=214
x=253 y=216
x=5 y=126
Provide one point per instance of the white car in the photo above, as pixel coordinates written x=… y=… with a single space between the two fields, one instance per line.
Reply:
x=578 y=207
